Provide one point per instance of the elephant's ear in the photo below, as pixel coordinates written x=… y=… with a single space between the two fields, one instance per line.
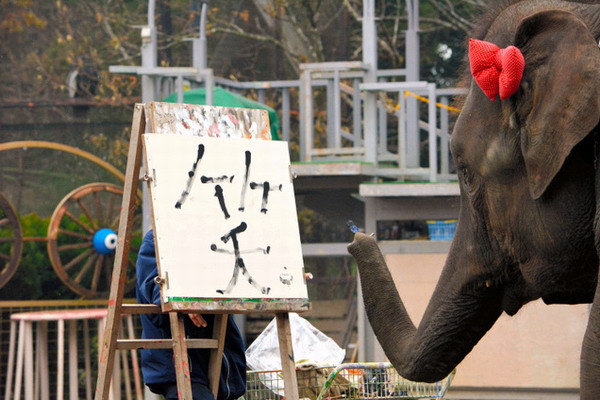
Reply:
x=558 y=104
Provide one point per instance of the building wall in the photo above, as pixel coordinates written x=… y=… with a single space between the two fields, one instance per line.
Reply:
x=537 y=348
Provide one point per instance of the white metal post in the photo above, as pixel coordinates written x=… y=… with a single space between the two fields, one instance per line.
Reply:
x=382 y=128
x=433 y=158
x=306 y=116
x=149 y=54
x=356 y=114
x=209 y=84
x=285 y=114
x=412 y=41
x=401 y=131
x=199 y=59
x=330 y=94
x=149 y=57
x=179 y=85
x=369 y=46
x=412 y=75
x=444 y=151
x=337 y=111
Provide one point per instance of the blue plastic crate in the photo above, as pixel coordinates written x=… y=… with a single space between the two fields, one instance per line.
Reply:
x=441 y=230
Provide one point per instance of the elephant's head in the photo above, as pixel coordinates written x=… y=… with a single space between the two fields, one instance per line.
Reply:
x=526 y=167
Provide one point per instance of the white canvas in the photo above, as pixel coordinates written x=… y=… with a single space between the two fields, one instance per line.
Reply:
x=208 y=198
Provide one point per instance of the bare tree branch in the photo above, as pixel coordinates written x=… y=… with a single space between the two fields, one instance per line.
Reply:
x=353 y=12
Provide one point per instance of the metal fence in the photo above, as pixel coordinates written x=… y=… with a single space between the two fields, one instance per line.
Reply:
x=7 y=308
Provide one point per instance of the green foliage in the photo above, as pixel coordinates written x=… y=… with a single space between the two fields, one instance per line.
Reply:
x=35 y=278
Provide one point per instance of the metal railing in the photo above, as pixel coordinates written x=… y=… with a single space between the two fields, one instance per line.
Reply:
x=7 y=308
x=327 y=115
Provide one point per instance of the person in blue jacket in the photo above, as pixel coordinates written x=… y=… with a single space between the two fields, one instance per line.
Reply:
x=157 y=364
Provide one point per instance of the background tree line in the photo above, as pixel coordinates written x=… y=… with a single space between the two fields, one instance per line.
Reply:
x=248 y=40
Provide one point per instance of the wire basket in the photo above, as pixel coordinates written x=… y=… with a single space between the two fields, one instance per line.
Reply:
x=441 y=230
x=347 y=381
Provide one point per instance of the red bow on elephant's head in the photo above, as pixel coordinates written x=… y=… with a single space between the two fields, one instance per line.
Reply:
x=496 y=70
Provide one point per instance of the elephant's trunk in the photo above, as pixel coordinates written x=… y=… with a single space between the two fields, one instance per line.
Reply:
x=385 y=311
x=456 y=318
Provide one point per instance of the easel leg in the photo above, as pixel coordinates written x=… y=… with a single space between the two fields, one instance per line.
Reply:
x=288 y=366
x=117 y=286
x=216 y=355
x=182 y=367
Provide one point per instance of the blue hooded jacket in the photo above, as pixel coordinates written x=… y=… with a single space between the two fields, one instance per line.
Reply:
x=157 y=364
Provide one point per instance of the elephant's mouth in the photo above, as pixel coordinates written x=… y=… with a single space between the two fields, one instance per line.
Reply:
x=515 y=295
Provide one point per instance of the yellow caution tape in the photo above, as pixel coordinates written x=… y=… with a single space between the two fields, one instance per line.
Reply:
x=426 y=100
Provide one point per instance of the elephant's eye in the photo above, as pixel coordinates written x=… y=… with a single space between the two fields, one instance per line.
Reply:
x=467 y=177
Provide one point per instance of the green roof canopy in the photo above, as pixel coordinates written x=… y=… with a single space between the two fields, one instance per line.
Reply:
x=225 y=98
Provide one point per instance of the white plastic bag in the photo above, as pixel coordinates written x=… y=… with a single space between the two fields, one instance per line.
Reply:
x=309 y=344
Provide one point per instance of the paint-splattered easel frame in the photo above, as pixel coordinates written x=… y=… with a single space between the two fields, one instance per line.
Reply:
x=165 y=120
x=210 y=122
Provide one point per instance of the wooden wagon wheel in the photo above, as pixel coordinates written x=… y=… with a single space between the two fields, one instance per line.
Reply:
x=11 y=241
x=82 y=238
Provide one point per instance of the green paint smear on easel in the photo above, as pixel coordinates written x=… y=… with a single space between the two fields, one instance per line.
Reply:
x=207 y=299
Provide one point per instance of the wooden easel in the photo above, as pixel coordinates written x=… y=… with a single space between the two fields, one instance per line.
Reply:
x=178 y=342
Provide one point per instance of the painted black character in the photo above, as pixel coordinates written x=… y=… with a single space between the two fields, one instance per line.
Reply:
x=205 y=180
x=191 y=174
x=265 y=186
x=239 y=261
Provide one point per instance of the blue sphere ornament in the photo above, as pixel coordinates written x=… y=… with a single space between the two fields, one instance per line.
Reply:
x=105 y=241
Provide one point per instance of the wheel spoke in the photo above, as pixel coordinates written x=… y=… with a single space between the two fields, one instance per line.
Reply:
x=85 y=268
x=87 y=214
x=4 y=221
x=75 y=234
x=4 y=257
x=78 y=222
x=7 y=239
x=75 y=246
x=108 y=267
x=77 y=259
x=97 y=270
x=75 y=222
x=110 y=208
x=98 y=208
x=114 y=224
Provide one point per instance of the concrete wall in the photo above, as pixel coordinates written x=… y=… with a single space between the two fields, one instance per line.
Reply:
x=537 y=348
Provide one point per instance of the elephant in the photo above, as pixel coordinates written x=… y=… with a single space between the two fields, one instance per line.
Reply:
x=529 y=216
